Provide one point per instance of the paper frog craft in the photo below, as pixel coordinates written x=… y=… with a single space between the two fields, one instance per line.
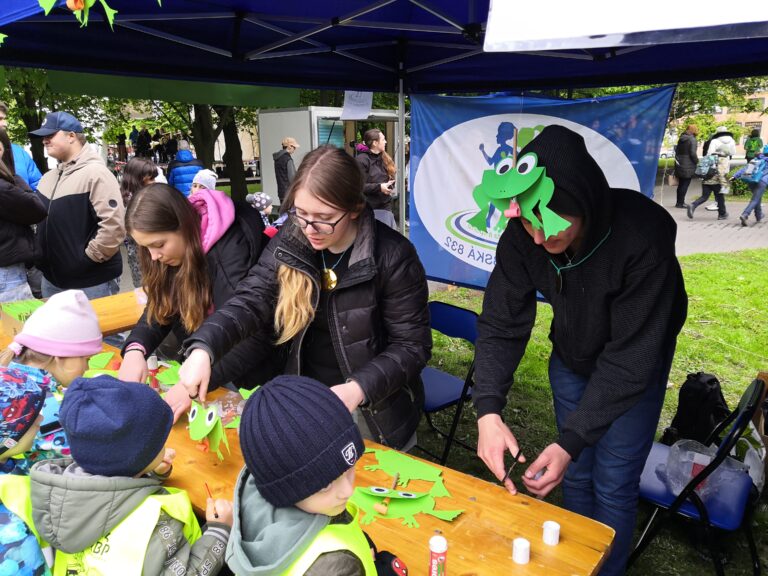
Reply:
x=394 y=462
x=402 y=504
x=517 y=191
x=235 y=422
x=205 y=427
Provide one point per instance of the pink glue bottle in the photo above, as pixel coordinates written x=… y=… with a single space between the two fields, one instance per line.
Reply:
x=438 y=550
x=153 y=367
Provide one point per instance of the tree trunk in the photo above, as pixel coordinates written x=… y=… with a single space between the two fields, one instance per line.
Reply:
x=233 y=155
x=204 y=135
x=32 y=117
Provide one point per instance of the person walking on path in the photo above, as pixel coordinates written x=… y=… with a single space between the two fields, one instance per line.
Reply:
x=757 y=188
x=723 y=146
x=685 y=162
x=379 y=172
x=80 y=238
x=753 y=146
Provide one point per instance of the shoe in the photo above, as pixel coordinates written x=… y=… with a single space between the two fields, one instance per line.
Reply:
x=711 y=207
x=691 y=208
x=681 y=205
x=758 y=218
x=723 y=216
x=743 y=220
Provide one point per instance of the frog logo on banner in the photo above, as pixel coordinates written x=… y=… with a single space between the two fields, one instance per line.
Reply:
x=349 y=453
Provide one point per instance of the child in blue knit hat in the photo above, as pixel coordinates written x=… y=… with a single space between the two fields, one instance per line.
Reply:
x=106 y=508
x=21 y=401
x=292 y=509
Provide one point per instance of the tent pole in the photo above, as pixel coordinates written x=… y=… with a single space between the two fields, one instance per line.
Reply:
x=401 y=153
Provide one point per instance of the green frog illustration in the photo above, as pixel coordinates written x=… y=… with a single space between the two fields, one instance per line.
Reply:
x=517 y=190
x=393 y=462
x=402 y=504
x=205 y=427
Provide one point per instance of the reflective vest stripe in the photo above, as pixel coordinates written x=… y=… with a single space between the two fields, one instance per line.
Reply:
x=336 y=537
x=122 y=551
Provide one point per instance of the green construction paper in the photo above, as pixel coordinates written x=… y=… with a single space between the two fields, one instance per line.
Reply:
x=170 y=375
x=205 y=422
x=96 y=372
x=245 y=393
x=402 y=505
x=21 y=310
x=394 y=462
x=527 y=184
x=100 y=361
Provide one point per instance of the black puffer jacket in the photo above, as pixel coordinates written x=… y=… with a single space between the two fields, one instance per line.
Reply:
x=380 y=328
x=21 y=207
x=375 y=175
x=228 y=263
x=685 y=156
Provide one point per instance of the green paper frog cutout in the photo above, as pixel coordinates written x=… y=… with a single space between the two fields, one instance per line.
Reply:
x=205 y=427
x=394 y=462
x=517 y=191
x=245 y=393
x=402 y=504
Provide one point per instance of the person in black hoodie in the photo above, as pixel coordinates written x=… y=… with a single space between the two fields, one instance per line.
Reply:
x=618 y=301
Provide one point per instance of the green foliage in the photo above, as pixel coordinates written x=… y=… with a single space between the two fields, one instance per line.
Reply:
x=739 y=187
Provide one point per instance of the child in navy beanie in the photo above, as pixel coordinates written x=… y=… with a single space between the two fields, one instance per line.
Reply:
x=292 y=509
x=106 y=507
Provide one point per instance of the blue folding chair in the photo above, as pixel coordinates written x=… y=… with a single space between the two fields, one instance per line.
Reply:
x=728 y=509
x=443 y=390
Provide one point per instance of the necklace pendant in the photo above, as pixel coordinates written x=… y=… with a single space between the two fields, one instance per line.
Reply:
x=329 y=279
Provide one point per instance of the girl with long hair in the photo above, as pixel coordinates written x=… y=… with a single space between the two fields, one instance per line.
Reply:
x=192 y=254
x=22 y=208
x=138 y=173
x=344 y=292
x=379 y=172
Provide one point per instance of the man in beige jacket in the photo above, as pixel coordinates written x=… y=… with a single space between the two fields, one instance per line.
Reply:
x=80 y=239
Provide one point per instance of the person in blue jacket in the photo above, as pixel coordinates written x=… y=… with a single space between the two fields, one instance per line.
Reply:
x=24 y=165
x=182 y=171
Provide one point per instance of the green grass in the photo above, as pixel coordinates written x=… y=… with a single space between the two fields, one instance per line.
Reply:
x=725 y=334
x=252 y=188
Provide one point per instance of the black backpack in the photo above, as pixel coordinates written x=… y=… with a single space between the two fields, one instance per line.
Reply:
x=701 y=407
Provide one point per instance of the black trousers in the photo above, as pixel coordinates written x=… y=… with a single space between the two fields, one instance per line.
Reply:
x=682 y=189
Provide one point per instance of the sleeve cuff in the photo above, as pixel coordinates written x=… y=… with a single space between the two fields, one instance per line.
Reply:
x=489 y=405
x=198 y=345
x=572 y=443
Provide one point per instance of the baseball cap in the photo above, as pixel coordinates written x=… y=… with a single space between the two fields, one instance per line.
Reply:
x=55 y=121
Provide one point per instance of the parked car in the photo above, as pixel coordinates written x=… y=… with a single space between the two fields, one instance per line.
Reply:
x=667 y=153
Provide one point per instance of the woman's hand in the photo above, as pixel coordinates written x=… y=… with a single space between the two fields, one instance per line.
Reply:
x=350 y=393
x=133 y=367
x=195 y=374
x=179 y=401
x=386 y=187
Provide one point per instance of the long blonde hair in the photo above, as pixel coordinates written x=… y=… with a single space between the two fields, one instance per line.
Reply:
x=373 y=135
x=185 y=289
x=27 y=356
x=335 y=178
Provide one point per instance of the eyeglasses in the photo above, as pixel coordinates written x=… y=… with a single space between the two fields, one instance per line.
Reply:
x=325 y=228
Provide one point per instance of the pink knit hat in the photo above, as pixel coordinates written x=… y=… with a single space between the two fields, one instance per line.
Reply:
x=65 y=326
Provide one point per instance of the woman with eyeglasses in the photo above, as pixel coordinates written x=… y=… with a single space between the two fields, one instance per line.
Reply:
x=192 y=253
x=346 y=293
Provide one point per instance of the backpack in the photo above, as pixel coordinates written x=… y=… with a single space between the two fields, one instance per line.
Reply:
x=707 y=167
x=701 y=407
x=754 y=170
x=752 y=146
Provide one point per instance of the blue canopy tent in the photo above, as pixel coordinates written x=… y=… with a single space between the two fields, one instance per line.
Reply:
x=405 y=46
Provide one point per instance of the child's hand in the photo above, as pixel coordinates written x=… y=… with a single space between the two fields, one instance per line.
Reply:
x=166 y=465
x=219 y=511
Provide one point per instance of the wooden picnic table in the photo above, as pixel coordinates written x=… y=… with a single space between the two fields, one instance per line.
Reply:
x=479 y=541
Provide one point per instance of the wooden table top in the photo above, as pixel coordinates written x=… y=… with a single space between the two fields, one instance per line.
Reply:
x=479 y=541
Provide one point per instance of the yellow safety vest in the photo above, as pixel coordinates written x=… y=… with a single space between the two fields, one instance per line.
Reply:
x=336 y=537
x=122 y=551
x=15 y=495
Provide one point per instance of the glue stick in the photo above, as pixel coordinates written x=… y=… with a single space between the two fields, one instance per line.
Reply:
x=438 y=550
x=153 y=367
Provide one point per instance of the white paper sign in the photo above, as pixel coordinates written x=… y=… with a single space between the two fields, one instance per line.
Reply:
x=357 y=105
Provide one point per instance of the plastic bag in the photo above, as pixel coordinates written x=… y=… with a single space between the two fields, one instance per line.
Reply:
x=687 y=458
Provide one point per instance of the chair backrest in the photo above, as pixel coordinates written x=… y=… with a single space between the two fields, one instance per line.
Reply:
x=453 y=321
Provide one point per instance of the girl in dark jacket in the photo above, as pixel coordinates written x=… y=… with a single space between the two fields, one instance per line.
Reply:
x=347 y=293
x=192 y=254
x=379 y=173
x=138 y=173
x=21 y=209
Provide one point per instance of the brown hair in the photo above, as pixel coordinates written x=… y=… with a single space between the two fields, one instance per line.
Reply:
x=185 y=289
x=692 y=129
x=335 y=178
x=373 y=135
x=135 y=172
x=7 y=165
x=27 y=357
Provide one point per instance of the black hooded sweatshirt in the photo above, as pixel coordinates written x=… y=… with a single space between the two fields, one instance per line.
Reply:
x=621 y=301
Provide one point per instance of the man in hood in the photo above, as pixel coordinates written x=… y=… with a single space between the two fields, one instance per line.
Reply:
x=80 y=238
x=608 y=269
x=285 y=169
x=182 y=171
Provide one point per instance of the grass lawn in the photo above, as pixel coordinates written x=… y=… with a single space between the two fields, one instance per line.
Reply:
x=725 y=334
x=252 y=188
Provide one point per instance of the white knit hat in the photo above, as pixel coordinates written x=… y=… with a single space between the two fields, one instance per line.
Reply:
x=206 y=178
x=66 y=326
